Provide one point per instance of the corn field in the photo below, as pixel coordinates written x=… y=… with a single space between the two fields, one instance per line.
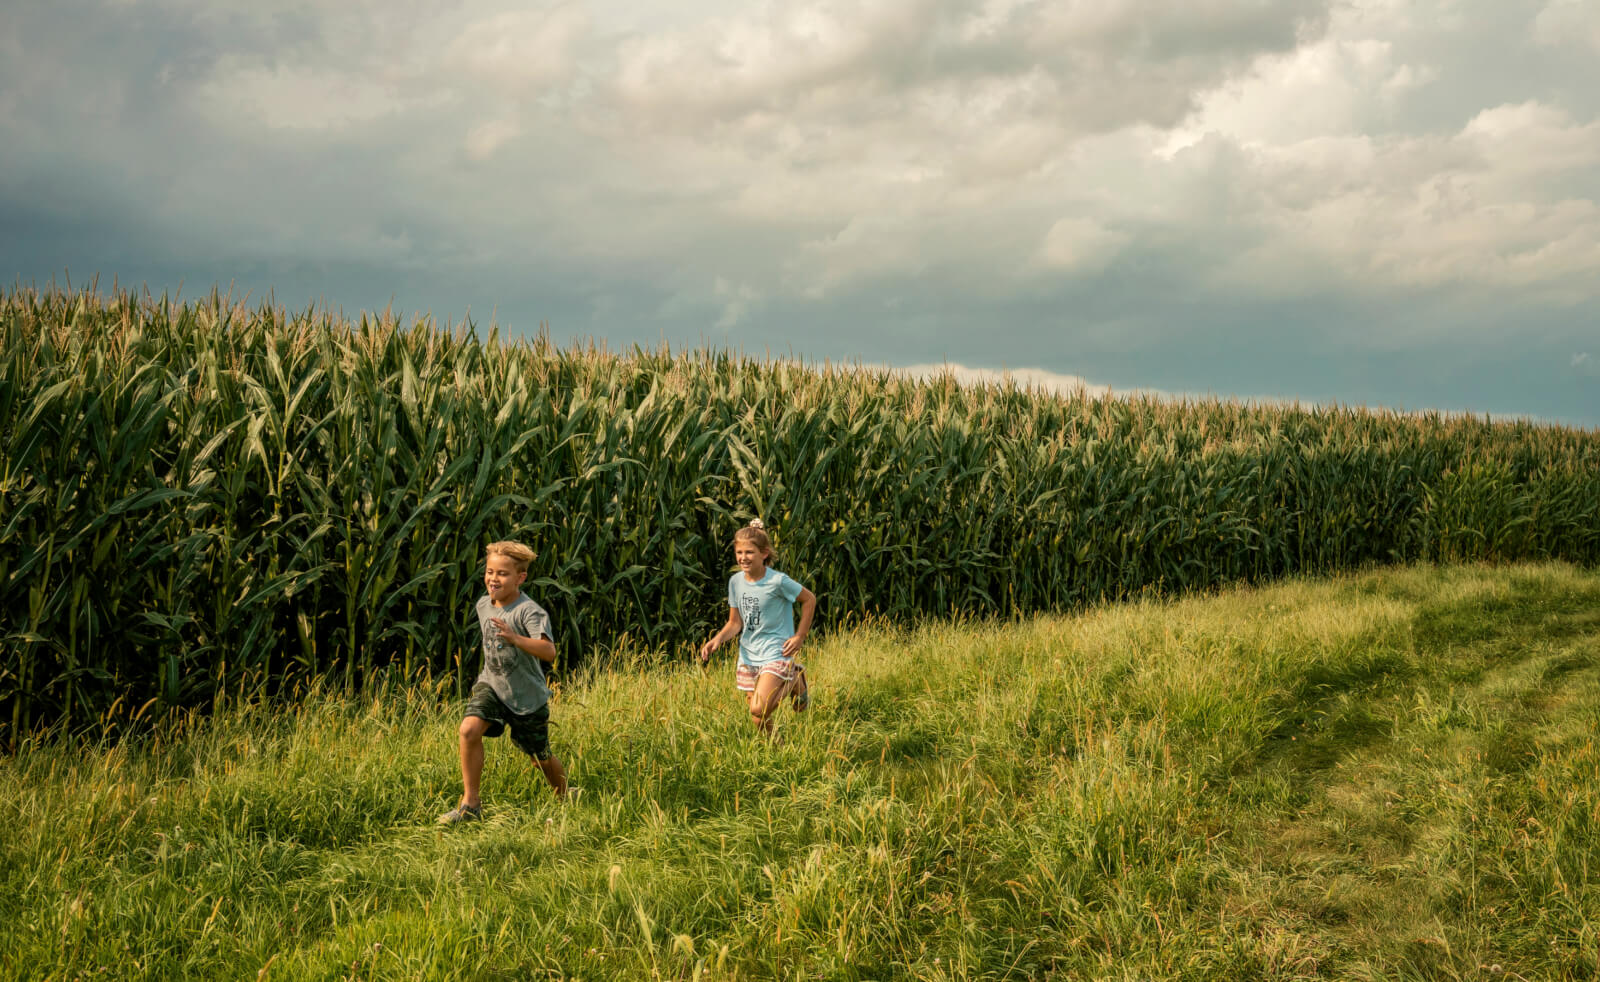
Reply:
x=204 y=499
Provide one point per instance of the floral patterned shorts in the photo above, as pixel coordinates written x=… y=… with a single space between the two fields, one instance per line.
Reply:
x=784 y=668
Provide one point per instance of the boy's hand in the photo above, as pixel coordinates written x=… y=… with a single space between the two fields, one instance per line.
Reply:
x=504 y=629
x=791 y=646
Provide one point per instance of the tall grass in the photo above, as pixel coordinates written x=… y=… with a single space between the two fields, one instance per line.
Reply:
x=203 y=499
x=1387 y=776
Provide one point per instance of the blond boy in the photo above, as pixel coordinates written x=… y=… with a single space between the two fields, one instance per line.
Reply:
x=510 y=691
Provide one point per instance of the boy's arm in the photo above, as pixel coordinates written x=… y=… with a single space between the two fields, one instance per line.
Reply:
x=540 y=647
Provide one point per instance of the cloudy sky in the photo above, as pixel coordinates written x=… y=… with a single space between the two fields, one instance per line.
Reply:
x=1387 y=203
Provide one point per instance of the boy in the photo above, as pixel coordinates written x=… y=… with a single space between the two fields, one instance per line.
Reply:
x=510 y=690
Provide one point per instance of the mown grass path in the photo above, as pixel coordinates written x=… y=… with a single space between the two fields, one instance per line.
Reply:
x=1392 y=775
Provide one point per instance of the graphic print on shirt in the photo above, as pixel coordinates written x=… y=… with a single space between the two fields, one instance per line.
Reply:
x=495 y=649
x=750 y=612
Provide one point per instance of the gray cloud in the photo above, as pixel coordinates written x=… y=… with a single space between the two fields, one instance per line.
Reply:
x=1367 y=201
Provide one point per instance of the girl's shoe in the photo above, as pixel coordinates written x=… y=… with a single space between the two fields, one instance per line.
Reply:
x=802 y=696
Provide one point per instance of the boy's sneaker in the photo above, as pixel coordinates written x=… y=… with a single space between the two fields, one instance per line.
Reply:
x=461 y=813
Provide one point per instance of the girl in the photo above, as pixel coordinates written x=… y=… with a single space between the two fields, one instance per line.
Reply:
x=761 y=615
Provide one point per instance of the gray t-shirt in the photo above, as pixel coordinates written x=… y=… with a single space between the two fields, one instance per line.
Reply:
x=516 y=676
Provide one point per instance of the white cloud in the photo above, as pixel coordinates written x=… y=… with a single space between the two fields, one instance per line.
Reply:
x=737 y=300
x=1480 y=209
x=831 y=146
x=1080 y=245
x=519 y=50
x=301 y=97
x=1324 y=89
x=1037 y=379
x=484 y=139
x=775 y=57
x=1057 y=383
x=1083 y=168
x=866 y=248
x=1532 y=140
x=1306 y=163
x=362 y=63
x=1569 y=22
x=912 y=138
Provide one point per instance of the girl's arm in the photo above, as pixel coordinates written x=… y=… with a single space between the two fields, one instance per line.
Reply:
x=729 y=630
x=808 y=606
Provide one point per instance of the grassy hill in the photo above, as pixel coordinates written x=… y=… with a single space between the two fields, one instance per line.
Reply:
x=1391 y=775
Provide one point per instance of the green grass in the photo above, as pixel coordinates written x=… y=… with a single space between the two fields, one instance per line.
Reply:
x=1391 y=775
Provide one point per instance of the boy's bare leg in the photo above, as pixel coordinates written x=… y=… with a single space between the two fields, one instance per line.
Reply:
x=471 y=733
x=555 y=774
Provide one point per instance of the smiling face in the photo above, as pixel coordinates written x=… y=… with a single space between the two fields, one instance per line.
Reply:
x=502 y=578
x=751 y=558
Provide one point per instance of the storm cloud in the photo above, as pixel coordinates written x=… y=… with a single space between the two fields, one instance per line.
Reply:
x=1372 y=202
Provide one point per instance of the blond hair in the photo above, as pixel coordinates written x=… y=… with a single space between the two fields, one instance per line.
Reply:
x=756 y=534
x=519 y=554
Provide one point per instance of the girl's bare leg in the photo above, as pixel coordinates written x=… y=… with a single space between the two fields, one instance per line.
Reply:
x=770 y=691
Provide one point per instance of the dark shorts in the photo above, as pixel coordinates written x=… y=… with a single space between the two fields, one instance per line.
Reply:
x=531 y=732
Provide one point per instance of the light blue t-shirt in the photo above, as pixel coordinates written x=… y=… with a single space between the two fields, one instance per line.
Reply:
x=767 y=609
